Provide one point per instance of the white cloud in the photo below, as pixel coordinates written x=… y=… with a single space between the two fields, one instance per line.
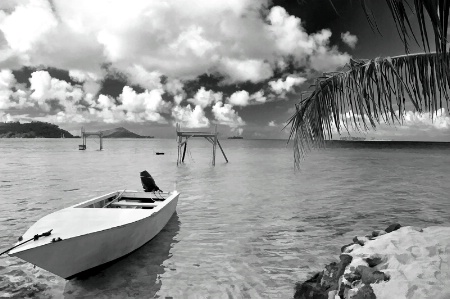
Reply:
x=246 y=70
x=258 y=97
x=140 y=107
x=205 y=98
x=349 y=39
x=7 y=81
x=291 y=39
x=190 y=118
x=45 y=88
x=272 y=123
x=28 y=25
x=226 y=115
x=327 y=59
x=279 y=86
x=140 y=76
x=239 y=98
x=174 y=87
x=105 y=102
x=157 y=45
x=179 y=39
x=438 y=120
x=243 y=98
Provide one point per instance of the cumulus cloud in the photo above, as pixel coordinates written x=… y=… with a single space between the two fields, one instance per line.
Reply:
x=327 y=59
x=246 y=70
x=239 y=98
x=272 y=123
x=190 y=118
x=280 y=86
x=205 y=98
x=349 y=39
x=243 y=98
x=146 y=39
x=145 y=106
x=412 y=124
x=45 y=88
x=226 y=115
x=439 y=119
x=28 y=25
x=291 y=39
x=158 y=46
x=7 y=81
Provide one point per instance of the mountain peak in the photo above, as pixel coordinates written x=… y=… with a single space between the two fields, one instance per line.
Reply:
x=121 y=132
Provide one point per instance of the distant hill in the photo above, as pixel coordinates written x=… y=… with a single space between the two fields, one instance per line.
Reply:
x=121 y=133
x=35 y=129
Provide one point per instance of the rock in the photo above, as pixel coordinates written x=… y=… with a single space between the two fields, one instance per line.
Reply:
x=360 y=240
x=311 y=289
x=373 y=261
x=369 y=275
x=343 y=290
x=321 y=284
x=333 y=271
x=351 y=277
x=332 y=294
x=330 y=276
x=346 y=259
x=365 y=292
x=392 y=227
x=343 y=248
x=377 y=233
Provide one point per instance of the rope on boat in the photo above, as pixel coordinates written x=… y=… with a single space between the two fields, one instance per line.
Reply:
x=34 y=238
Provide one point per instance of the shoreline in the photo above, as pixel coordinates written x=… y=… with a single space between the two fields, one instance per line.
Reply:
x=398 y=262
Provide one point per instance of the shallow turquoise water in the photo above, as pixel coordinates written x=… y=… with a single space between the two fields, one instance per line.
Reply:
x=247 y=229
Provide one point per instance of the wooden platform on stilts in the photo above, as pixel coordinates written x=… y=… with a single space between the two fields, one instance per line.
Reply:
x=183 y=137
x=85 y=135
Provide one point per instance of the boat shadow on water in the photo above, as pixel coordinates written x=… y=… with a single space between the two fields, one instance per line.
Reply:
x=135 y=275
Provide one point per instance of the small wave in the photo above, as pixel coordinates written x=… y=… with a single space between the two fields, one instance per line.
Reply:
x=69 y=190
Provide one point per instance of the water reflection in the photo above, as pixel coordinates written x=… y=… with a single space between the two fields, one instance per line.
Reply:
x=134 y=276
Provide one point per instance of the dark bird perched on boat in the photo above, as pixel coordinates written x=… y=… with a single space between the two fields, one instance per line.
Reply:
x=148 y=183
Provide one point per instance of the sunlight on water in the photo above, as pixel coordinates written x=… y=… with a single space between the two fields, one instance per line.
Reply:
x=247 y=229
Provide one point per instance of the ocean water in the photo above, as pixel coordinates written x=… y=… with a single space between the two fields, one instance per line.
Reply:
x=250 y=228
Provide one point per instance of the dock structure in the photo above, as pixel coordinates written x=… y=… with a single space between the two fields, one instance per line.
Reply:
x=183 y=137
x=85 y=135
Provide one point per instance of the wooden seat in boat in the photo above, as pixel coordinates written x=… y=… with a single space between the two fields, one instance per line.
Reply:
x=133 y=204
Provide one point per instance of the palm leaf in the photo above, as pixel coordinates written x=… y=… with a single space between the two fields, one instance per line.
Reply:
x=436 y=12
x=374 y=91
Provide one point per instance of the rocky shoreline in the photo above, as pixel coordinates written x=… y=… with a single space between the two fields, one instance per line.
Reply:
x=398 y=262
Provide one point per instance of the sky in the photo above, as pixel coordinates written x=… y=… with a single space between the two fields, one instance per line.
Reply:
x=147 y=65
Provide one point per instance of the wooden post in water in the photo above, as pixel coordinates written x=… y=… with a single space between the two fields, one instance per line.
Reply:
x=223 y=153
x=85 y=135
x=184 y=151
x=214 y=145
x=182 y=139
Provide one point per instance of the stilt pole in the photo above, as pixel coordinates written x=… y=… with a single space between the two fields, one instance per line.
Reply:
x=183 y=136
x=223 y=153
x=214 y=145
x=184 y=151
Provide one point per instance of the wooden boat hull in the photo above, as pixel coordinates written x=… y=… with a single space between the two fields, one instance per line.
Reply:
x=71 y=256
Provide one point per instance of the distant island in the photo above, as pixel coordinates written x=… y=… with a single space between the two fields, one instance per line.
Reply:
x=34 y=129
x=351 y=138
x=236 y=137
x=37 y=129
x=121 y=133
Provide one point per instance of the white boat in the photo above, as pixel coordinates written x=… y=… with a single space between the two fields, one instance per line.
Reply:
x=96 y=231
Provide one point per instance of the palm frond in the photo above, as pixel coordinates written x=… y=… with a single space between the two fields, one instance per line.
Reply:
x=374 y=91
x=436 y=12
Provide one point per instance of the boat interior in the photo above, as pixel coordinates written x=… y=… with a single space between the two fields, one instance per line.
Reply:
x=126 y=200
